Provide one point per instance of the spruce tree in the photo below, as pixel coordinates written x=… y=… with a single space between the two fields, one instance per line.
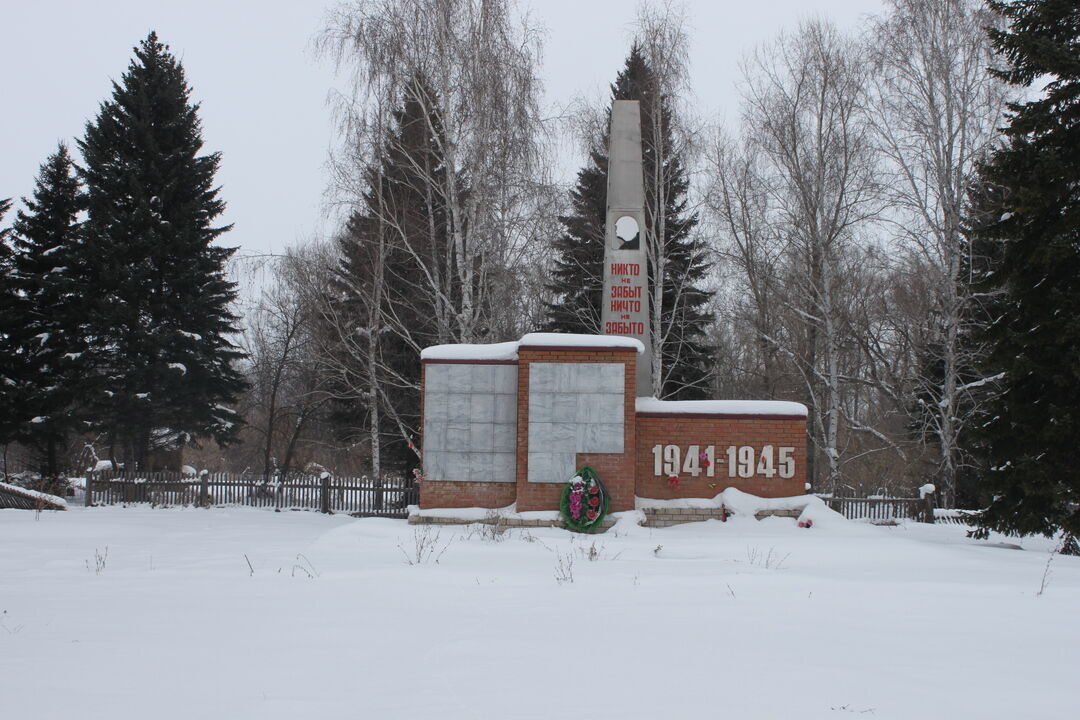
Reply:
x=1032 y=458
x=50 y=340
x=160 y=322
x=577 y=278
x=398 y=235
x=9 y=323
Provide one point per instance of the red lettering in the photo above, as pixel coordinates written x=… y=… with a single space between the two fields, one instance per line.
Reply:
x=625 y=269
x=625 y=305
x=619 y=291
x=624 y=328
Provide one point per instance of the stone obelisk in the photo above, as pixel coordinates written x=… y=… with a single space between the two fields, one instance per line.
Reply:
x=625 y=303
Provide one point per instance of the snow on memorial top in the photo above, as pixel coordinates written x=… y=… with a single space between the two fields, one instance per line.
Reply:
x=583 y=341
x=463 y=351
x=508 y=350
x=779 y=408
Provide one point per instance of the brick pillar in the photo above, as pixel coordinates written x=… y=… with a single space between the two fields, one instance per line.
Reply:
x=616 y=470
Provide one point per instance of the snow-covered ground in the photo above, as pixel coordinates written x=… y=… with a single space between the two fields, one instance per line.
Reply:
x=132 y=613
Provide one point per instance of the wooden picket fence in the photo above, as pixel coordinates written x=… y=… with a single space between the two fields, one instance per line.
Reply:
x=18 y=498
x=360 y=496
x=883 y=510
x=955 y=516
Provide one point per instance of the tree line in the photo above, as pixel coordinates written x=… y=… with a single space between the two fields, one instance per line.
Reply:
x=117 y=322
x=886 y=237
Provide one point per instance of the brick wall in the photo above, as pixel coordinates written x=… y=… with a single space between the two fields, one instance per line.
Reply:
x=720 y=432
x=633 y=472
x=466 y=494
x=615 y=470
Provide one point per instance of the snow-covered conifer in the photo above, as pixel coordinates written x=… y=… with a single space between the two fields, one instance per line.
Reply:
x=50 y=337
x=161 y=298
x=1031 y=454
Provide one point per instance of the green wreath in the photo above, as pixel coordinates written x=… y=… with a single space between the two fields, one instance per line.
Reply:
x=584 y=501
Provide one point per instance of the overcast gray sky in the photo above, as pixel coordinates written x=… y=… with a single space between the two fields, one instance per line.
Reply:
x=263 y=93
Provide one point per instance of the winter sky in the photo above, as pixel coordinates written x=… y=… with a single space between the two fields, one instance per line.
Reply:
x=264 y=93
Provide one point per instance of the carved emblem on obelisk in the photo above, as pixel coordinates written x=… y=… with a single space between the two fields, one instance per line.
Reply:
x=625 y=303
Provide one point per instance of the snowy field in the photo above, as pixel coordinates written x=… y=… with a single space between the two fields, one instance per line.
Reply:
x=135 y=613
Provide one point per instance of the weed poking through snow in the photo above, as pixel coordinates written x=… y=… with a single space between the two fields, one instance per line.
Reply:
x=771 y=560
x=564 y=567
x=592 y=553
x=100 y=558
x=492 y=529
x=303 y=565
x=426 y=546
x=4 y=626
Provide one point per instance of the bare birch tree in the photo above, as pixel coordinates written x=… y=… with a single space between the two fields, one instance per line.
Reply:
x=803 y=114
x=285 y=397
x=739 y=204
x=662 y=35
x=476 y=61
x=441 y=168
x=935 y=109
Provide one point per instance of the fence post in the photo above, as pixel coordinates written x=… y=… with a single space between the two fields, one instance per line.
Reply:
x=88 y=501
x=324 y=480
x=204 y=490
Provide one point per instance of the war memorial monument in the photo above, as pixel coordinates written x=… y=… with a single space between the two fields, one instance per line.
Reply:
x=558 y=421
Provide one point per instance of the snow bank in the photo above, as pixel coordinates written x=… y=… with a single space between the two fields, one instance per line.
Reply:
x=477 y=514
x=741 y=504
x=737 y=502
x=721 y=407
x=60 y=502
x=756 y=621
x=626 y=521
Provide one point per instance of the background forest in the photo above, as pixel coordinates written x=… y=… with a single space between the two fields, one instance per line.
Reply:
x=841 y=247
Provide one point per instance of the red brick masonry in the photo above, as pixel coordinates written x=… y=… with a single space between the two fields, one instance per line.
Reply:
x=615 y=470
x=633 y=472
x=720 y=432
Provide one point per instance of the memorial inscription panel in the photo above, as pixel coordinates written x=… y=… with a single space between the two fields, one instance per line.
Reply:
x=470 y=422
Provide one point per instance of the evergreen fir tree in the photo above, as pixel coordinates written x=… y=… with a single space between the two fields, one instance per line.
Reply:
x=50 y=341
x=578 y=273
x=577 y=279
x=400 y=233
x=160 y=322
x=1032 y=459
x=9 y=323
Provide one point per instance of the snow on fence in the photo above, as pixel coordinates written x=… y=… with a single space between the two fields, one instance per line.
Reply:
x=955 y=516
x=326 y=493
x=883 y=510
x=18 y=498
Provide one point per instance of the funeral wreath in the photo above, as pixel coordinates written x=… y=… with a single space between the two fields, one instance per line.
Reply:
x=584 y=502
